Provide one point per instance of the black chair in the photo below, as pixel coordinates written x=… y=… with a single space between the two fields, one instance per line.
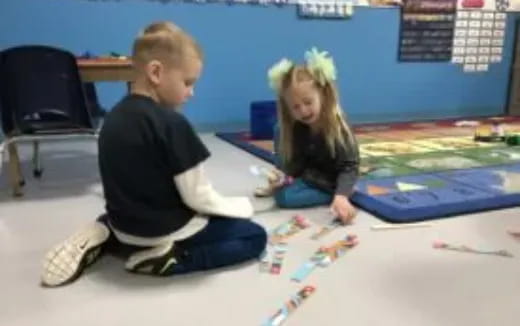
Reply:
x=42 y=98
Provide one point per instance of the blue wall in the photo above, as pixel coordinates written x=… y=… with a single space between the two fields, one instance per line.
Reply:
x=242 y=41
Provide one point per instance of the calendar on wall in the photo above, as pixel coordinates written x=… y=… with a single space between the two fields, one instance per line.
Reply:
x=325 y=9
x=426 y=30
x=479 y=39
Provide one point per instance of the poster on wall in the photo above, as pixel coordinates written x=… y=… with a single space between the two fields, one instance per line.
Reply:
x=479 y=39
x=322 y=9
x=427 y=30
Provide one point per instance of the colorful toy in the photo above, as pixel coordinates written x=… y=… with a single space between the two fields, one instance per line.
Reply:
x=490 y=133
x=444 y=245
x=283 y=313
x=272 y=259
x=324 y=256
x=513 y=140
x=288 y=229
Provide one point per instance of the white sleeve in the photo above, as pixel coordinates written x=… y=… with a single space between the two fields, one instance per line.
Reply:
x=198 y=193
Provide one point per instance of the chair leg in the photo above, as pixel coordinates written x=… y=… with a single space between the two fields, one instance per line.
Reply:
x=37 y=168
x=15 y=172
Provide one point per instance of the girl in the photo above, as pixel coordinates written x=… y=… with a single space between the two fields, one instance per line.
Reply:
x=315 y=145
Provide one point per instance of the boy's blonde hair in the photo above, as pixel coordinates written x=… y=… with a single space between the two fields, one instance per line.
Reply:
x=332 y=123
x=165 y=42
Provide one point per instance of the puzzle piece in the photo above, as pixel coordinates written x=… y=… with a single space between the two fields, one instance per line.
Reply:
x=279 y=253
x=296 y=300
x=324 y=256
x=289 y=228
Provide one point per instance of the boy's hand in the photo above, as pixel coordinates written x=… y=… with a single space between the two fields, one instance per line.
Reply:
x=343 y=209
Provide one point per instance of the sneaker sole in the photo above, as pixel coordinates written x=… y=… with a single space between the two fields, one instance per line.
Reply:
x=64 y=263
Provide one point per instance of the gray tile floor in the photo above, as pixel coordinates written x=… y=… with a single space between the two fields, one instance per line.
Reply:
x=391 y=278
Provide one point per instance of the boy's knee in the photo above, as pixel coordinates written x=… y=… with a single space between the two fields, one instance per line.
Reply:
x=257 y=238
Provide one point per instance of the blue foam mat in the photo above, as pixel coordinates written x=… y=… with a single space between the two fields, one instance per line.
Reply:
x=464 y=191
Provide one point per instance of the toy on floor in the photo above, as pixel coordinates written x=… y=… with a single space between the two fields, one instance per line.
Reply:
x=324 y=256
x=513 y=140
x=444 y=245
x=382 y=227
x=288 y=229
x=283 y=313
x=272 y=259
x=490 y=133
x=275 y=179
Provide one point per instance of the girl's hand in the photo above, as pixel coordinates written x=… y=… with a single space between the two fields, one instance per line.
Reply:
x=275 y=178
x=343 y=209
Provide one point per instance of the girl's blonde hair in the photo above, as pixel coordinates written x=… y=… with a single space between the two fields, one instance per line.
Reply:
x=332 y=123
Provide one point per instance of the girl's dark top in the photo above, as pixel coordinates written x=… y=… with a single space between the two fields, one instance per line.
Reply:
x=314 y=163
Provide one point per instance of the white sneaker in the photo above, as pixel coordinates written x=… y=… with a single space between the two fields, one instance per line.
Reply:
x=65 y=262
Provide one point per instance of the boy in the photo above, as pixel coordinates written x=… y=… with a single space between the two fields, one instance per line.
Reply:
x=162 y=212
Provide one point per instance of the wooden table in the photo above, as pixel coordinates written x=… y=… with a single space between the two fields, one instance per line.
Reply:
x=96 y=70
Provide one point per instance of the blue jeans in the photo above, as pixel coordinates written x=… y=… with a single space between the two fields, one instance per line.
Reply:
x=224 y=241
x=298 y=194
